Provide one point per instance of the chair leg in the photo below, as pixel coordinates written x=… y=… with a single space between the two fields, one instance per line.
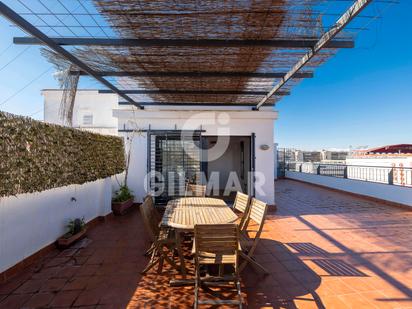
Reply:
x=150 y=250
x=158 y=257
x=152 y=262
x=239 y=293
x=160 y=267
x=221 y=270
x=150 y=265
x=170 y=261
x=179 y=250
x=196 y=304
x=248 y=259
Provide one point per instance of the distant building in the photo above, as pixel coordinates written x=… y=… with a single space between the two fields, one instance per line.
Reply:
x=329 y=155
x=289 y=155
x=310 y=156
x=392 y=156
x=93 y=111
x=296 y=155
x=390 y=150
x=286 y=155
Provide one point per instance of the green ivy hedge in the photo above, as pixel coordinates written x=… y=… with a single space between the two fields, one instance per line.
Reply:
x=36 y=156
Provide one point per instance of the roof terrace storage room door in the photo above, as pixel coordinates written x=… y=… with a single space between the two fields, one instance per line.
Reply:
x=174 y=159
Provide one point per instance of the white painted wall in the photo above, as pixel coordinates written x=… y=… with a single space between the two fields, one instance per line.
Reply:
x=396 y=194
x=241 y=123
x=87 y=102
x=30 y=222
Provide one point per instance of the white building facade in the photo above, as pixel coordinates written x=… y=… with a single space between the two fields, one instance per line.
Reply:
x=257 y=125
x=231 y=146
x=93 y=111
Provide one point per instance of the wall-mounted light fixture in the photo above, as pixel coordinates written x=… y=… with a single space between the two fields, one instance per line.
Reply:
x=264 y=147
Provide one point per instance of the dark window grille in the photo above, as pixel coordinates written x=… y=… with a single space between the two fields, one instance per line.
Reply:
x=176 y=157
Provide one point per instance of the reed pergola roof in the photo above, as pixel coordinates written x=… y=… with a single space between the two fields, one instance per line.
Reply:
x=196 y=52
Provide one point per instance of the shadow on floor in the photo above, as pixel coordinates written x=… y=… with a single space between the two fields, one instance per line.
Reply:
x=289 y=279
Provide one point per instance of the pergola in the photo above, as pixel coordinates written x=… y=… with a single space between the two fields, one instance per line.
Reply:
x=235 y=53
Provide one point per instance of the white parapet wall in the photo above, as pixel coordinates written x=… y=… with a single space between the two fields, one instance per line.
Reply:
x=391 y=193
x=30 y=222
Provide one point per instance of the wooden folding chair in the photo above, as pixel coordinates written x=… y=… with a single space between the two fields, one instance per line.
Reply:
x=195 y=190
x=242 y=206
x=161 y=238
x=255 y=217
x=217 y=244
x=155 y=218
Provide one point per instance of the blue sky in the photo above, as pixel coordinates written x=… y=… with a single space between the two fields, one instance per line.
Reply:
x=362 y=96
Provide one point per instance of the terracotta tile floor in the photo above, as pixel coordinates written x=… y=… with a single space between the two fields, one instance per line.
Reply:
x=323 y=249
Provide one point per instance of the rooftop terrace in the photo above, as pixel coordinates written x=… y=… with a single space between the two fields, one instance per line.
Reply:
x=323 y=249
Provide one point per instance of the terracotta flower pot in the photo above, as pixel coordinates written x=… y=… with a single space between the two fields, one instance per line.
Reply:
x=66 y=240
x=120 y=208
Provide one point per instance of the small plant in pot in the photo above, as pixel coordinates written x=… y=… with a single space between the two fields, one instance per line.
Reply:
x=76 y=230
x=122 y=200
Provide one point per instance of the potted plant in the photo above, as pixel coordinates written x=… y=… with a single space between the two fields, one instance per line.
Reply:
x=122 y=200
x=76 y=230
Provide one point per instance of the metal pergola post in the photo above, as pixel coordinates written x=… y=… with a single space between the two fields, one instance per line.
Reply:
x=41 y=37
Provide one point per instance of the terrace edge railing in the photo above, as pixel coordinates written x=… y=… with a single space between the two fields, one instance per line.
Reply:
x=391 y=175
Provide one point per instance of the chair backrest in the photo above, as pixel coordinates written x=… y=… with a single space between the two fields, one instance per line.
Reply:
x=257 y=214
x=241 y=202
x=195 y=190
x=242 y=205
x=150 y=218
x=217 y=239
x=257 y=211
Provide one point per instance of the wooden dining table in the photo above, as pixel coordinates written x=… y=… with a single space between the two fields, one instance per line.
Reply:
x=183 y=214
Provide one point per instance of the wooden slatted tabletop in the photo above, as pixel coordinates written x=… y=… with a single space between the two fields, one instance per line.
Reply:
x=185 y=213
